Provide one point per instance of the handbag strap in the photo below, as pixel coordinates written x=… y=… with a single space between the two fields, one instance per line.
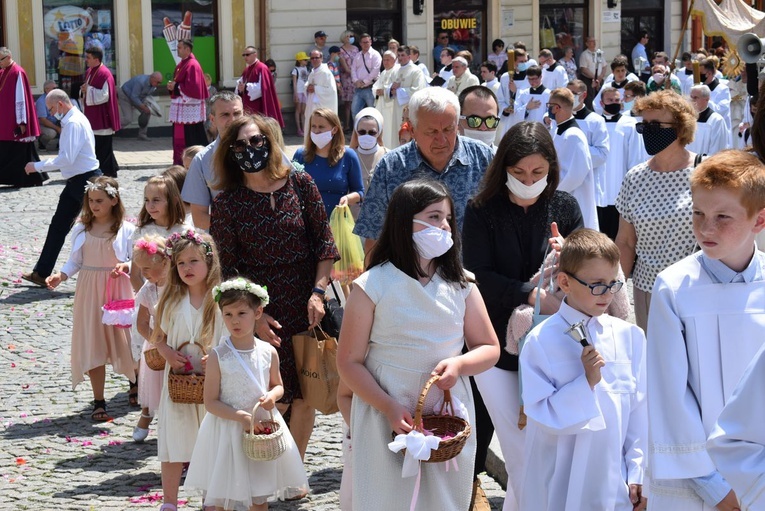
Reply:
x=247 y=369
x=109 y=285
x=538 y=299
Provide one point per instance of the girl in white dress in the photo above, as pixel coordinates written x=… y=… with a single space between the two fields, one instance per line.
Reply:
x=148 y=259
x=406 y=319
x=242 y=371
x=186 y=312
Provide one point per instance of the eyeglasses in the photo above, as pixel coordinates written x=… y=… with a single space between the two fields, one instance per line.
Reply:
x=256 y=142
x=373 y=133
x=248 y=54
x=651 y=127
x=474 y=121
x=599 y=289
x=444 y=37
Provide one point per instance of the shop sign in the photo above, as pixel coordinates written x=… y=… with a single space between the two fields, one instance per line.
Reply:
x=458 y=23
x=67 y=19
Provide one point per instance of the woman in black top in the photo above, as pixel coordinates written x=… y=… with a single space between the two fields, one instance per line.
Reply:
x=507 y=227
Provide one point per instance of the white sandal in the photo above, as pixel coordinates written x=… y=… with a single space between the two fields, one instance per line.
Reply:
x=140 y=434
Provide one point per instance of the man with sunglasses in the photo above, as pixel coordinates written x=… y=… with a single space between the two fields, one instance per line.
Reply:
x=479 y=118
x=442 y=41
x=320 y=88
x=257 y=88
x=225 y=107
x=18 y=124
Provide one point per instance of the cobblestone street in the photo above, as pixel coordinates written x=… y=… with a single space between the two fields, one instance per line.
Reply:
x=51 y=455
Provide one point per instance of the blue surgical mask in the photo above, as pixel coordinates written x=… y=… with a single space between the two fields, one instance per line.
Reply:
x=351 y=39
x=628 y=105
x=522 y=66
x=59 y=115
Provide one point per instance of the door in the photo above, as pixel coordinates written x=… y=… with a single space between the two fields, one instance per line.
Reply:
x=381 y=19
x=465 y=22
x=639 y=16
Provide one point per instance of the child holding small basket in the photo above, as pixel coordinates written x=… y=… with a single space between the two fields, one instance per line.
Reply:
x=244 y=455
x=406 y=321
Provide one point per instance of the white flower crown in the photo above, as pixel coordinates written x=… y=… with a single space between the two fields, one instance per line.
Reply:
x=241 y=284
x=95 y=187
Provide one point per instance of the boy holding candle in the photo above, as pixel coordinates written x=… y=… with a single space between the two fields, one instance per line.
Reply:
x=583 y=380
x=705 y=327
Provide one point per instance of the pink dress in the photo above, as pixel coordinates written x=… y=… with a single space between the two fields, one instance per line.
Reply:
x=346 y=82
x=93 y=343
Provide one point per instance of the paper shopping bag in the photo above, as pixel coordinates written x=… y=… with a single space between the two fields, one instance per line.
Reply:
x=315 y=358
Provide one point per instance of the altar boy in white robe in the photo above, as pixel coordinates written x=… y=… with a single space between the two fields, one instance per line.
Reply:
x=712 y=135
x=706 y=325
x=585 y=400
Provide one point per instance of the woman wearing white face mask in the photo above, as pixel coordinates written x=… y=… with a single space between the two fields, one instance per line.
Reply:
x=334 y=167
x=662 y=79
x=409 y=317
x=508 y=225
x=367 y=141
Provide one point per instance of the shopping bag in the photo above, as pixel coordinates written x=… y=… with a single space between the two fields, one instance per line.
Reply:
x=547 y=34
x=351 y=263
x=315 y=359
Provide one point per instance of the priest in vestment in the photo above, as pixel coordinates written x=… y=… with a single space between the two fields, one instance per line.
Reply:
x=257 y=87
x=102 y=108
x=188 y=93
x=407 y=80
x=18 y=124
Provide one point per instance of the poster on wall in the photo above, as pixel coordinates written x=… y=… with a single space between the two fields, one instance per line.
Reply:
x=465 y=27
x=70 y=28
x=175 y=20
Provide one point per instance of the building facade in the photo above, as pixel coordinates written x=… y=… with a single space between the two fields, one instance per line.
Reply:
x=48 y=37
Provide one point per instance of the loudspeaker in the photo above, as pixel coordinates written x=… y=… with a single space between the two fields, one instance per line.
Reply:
x=418 y=7
x=750 y=47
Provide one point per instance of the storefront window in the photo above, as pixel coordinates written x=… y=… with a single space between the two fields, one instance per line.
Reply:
x=71 y=27
x=465 y=26
x=175 y=19
x=562 y=25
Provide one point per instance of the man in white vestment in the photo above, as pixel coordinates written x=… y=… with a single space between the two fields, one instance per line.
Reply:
x=510 y=84
x=320 y=88
x=711 y=133
x=407 y=80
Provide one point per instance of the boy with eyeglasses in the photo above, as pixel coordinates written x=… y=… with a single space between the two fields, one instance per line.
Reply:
x=585 y=400
x=706 y=322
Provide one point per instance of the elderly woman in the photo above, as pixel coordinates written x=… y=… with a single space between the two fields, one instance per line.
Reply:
x=384 y=102
x=347 y=53
x=569 y=63
x=367 y=141
x=270 y=226
x=662 y=79
x=334 y=167
x=508 y=226
x=654 y=203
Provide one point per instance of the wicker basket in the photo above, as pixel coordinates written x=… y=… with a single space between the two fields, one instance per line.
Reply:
x=264 y=447
x=440 y=425
x=154 y=360
x=187 y=388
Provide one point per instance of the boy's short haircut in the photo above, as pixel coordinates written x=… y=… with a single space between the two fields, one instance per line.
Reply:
x=545 y=54
x=490 y=66
x=562 y=95
x=584 y=245
x=636 y=87
x=619 y=61
x=414 y=49
x=734 y=170
x=449 y=51
x=519 y=52
x=534 y=71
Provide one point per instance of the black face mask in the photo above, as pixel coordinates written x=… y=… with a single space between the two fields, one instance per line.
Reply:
x=658 y=139
x=703 y=77
x=252 y=160
x=612 y=109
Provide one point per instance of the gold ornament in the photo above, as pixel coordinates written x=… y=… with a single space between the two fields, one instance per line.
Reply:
x=732 y=63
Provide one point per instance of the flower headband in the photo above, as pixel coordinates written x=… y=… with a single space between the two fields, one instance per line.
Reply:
x=149 y=247
x=241 y=284
x=186 y=235
x=95 y=187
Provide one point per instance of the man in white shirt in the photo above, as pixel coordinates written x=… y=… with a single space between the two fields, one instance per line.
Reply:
x=408 y=80
x=365 y=69
x=77 y=162
x=719 y=91
x=592 y=69
x=711 y=133
x=640 y=58
x=489 y=76
x=576 y=175
x=320 y=88
x=531 y=104
x=510 y=84
x=685 y=74
x=553 y=74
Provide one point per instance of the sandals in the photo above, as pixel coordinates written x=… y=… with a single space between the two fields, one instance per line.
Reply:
x=99 y=411
x=139 y=433
x=133 y=395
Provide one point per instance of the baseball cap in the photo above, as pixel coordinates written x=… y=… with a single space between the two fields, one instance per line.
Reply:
x=320 y=33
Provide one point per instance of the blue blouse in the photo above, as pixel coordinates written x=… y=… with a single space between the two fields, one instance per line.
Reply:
x=334 y=182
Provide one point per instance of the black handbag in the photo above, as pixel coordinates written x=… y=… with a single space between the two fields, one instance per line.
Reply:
x=333 y=315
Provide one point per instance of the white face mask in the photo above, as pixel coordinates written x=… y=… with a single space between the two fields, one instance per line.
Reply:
x=367 y=142
x=321 y=139
x=545 y=65
x=658 y=77
x=487 y=137
x=577 y=101
x=432 y=242
x=525 y=192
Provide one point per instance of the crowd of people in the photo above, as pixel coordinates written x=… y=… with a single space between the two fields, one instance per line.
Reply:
x=500 y=221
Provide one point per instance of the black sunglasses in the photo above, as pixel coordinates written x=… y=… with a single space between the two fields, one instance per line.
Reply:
x=599 y=289
x=248 y=54
x=374 y=133
x=651 y=127
x=256 y=142
x=474 y=121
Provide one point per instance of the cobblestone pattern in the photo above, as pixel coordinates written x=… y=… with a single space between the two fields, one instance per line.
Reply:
x=51 y=455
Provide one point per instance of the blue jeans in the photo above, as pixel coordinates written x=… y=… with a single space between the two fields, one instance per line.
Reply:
x=362 y=98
